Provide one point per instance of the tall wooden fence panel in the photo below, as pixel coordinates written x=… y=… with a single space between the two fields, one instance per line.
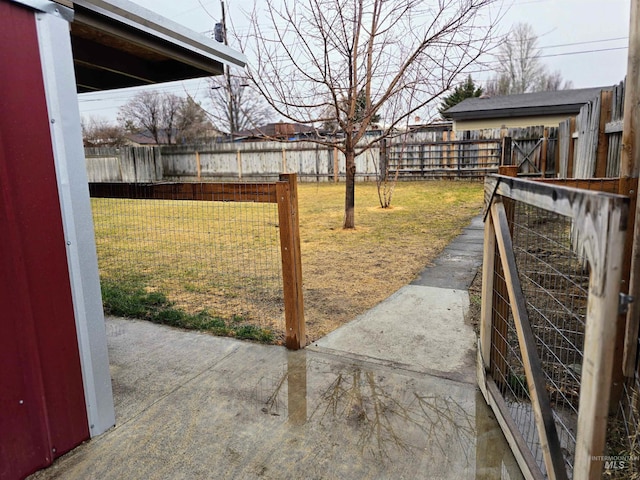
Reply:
x=415 y=155
x=472 y=153
x=590 y=144
x=126 y=164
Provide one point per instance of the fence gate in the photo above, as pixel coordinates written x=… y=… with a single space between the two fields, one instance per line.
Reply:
x=551 y=278
x=533 y=150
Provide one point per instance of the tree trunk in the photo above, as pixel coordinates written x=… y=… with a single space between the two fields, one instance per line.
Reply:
x=350 y=191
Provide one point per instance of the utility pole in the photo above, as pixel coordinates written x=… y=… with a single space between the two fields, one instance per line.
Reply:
x=233 y=127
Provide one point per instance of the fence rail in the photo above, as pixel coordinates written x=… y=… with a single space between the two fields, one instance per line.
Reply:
x=551 y=273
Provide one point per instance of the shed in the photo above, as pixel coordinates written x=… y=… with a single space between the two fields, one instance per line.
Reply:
x=55 y=387
x=523 y=110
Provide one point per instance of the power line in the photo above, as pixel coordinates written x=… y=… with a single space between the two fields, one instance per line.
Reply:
x=583 y=51
x=585 y=42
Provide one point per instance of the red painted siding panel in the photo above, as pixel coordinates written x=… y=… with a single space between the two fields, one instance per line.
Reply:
x=40 y=362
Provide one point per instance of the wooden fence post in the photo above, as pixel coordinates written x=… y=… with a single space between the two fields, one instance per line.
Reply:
x=287 y=194
x=505 y=154
x=599 y=344
x=239 y=160
x=336 y=165
x=572 y=129
x=198 y=165
x=630 y=169
x=486 y=308
x=543 y=152
x=606 y=97
x=498 y=297
x=284 y=160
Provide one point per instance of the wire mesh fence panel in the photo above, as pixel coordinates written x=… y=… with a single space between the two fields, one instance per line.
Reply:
x=548 y=342
x=554 y=282
x=507 y=367
x=222 y=257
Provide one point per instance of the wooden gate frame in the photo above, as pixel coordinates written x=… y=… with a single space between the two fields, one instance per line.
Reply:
x=599 y=230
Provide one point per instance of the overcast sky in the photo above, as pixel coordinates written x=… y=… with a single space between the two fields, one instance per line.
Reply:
x=586 y=40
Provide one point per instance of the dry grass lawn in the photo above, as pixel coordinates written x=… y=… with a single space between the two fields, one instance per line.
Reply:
x=346 y=272
x=224 y=257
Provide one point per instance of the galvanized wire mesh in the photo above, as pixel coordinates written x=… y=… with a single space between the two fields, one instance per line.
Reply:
x=222 y=257
x=555 y=282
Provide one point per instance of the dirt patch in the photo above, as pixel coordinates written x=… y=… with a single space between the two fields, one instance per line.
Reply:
x=475 y=302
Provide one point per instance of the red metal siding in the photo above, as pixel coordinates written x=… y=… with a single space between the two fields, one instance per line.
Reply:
x=42 y=407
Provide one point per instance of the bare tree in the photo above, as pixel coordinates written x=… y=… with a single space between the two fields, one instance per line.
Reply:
x=98 y=132
x=166 y=116
x=320 y=61
x=235 y=106
x=193 y=123
x=143 y=112
x=520 y=69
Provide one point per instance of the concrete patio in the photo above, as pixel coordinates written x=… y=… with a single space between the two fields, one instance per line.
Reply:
x=390 y=395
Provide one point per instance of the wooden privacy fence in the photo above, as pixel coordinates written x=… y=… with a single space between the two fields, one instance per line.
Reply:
x=130 y=164
x=282 y=192
x=534 y=150
x=442 y=159
x=550 y=289
x=414 y=156
x=590 y=144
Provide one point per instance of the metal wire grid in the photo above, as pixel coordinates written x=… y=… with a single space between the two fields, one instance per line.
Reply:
x=555 y=282
x=222 y=257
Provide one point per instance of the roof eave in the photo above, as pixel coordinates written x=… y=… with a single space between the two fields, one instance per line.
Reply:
x=143 y=20
x=570 y=109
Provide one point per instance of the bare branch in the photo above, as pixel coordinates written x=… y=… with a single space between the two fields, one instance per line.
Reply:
x=346 y=63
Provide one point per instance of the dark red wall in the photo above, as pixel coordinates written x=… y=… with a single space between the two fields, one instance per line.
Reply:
x=42 y=407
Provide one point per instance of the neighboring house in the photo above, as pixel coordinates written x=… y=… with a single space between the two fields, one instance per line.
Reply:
x=280 y=131
x=145 y=138
x=523 y=110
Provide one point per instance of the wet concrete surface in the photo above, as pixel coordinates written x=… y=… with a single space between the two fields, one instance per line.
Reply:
x=417 y=328
x=390 y=395
x=193 y=406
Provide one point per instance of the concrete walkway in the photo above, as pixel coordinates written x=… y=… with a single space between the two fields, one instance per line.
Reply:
x=422 y=326
x=390 y=395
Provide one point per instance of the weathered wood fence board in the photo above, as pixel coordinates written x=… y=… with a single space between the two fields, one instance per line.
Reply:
x=130 y=164
x=590 y=144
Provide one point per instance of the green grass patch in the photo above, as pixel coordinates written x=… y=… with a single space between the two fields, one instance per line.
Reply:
x=130 y=299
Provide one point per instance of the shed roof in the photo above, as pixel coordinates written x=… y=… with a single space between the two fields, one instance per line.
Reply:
x=117 y=44
x=525 y=104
